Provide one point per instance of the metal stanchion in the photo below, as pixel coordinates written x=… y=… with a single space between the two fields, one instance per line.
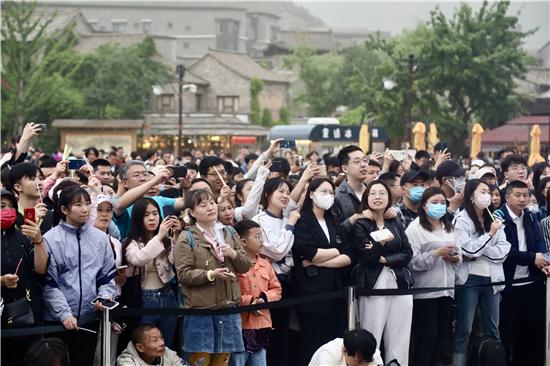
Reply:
x=351 y=307
x=547 y=322
x=106 y=337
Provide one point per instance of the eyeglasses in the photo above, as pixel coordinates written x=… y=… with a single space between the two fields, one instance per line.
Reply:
x=222 y=173
x=326 y=192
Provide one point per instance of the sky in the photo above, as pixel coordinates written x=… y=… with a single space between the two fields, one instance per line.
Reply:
x=394 y=16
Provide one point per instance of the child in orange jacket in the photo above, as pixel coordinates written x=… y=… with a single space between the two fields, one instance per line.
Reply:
x=258 y=285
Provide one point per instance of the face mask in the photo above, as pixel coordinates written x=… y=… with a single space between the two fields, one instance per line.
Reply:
x=458 y=184
x=482 y=200
x=324 y=201
x=7 y=218
x=533 y=208
x=436 y=210
x=415 y=193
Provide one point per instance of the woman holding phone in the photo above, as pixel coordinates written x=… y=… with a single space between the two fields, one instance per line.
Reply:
x=208 y=257
x=435 y=257
x=485 y=248
x=148 y=251
x=384 y=253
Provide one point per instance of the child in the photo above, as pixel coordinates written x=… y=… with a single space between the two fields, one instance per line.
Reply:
x=258 y=285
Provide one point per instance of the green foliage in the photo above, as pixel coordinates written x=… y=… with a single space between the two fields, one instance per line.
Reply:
x=256 y=86
x=284 y=116
x=353 y=116
x=267 y=118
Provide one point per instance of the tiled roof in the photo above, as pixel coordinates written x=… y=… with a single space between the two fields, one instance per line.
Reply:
x=98 y=123
x=201 y=124
x=516 y=131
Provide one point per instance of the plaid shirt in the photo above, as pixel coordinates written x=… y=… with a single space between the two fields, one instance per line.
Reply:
x=407 y=216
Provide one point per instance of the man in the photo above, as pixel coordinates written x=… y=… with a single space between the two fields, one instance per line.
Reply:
x=413 y=185
x=420 y=158
x=393 y=181
x=280 y=168
x=248 y=162
x=102 y=171
x=47 y=166
x=513 y=167
x=487 y=174
x=212 y=169
x=357 y=348
x=185 y=182
x=522 y=310
x=24 y=183
x=373 y=171
x=147 y=348
x=136 y=183
x=452 y=179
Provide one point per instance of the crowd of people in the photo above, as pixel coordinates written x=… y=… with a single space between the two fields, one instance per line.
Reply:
x=209 y=231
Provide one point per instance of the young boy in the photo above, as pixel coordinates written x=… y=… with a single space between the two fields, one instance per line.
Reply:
x=258 y=285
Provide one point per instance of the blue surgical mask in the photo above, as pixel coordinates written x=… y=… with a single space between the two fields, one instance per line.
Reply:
x=415 y=193
x=436 y=210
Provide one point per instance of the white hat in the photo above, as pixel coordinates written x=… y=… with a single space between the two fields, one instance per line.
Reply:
x=478 y=163
x=483 y=171
x=104 y=198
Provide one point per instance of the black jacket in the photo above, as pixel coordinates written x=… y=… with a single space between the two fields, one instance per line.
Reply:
x=308 y=237
x=398 y=252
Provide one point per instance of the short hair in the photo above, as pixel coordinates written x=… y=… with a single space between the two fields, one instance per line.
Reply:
x=139 y=332
x=389 y=177
x=515 y=184
x=250 y=157
x=374 y=163
x=421 y=154
x=343 y=155
x=89 y=150
x=197 y=180
x=48 y=163
x=19 y=171
x=47 y=352
x=123 y=172
x=331 y=161
x=360 y=341
x=191 y=166
x=207 y=162
x=245 y=226
x=271 y=186
x=69 y=196
x=285 y=166
x=504 y=151
x=512 y=159
x=100 y=162
x=195 y=199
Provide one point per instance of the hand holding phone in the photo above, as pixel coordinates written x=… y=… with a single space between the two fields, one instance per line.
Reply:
x=288 y=144
x=76 y=164
x=382 y=235
x=30 y=214
x=105 y=303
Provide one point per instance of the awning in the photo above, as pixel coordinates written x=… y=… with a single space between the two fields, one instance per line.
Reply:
x=327 y=133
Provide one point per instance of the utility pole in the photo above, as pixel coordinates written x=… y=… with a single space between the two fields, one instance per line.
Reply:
x=410 y=71
x=180 y=69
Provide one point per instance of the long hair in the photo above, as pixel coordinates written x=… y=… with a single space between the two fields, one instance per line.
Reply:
x=423 y=216
x=471 y=186
x=315 y=183
x=137 y=228
x=239 y=191
x=365 y=199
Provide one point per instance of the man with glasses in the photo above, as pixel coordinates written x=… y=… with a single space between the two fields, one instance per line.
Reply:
x=513 y=167
x=211 y=168
x=413 y=185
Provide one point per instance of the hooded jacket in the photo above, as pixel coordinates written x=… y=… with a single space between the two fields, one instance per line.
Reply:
x=130 y=357
x=82 y=267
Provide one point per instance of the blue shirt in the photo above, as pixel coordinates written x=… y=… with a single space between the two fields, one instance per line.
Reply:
x=123 y=221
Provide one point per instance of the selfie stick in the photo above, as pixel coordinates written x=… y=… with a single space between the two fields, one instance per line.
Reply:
x=490 y=214
x=219 y=175
x=38 y=189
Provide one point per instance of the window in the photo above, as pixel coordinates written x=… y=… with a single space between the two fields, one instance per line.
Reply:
x=93 y=23
x=185 y=45
x=119 y=26
x=198 y=98
x=227 y=34
x=166 y=100
x=146 y=26
x=136 y=25
x=228 y=104
x=188 y=28
x=170 y=25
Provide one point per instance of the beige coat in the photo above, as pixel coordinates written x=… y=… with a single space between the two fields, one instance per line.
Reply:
x=193 y=264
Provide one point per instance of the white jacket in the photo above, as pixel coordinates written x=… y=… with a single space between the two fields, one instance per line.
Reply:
x=130 y=357
x=492 y=249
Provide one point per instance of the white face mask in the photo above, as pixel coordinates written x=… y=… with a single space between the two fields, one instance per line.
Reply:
x=324 y=201
x=533 y=207
x=482 y=200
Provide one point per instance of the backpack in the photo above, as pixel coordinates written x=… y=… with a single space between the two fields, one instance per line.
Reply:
x=486 y=351
x=191 y=240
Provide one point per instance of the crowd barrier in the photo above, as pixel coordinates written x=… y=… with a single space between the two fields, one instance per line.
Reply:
x=350 y=294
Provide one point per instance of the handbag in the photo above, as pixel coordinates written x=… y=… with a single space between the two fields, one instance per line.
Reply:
x=18 y=314
x=131 y=291
x=403 y=277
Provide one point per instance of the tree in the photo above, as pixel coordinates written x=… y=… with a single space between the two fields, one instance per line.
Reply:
x=256 y=86
x=284 y=116
x=267 y=118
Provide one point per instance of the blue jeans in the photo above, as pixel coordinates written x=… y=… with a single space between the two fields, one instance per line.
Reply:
x=248 y=359
x=467 y=300
x=161 y=299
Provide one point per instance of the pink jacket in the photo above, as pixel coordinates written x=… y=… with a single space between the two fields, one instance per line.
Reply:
x=259 y=279
x=138 y=255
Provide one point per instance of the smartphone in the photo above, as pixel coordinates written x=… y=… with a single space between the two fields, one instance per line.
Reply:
x=288 y=144
x=109 y=304
x=43 y=127
x=30 y=214
x=399 y=155
x=381 y=235
x=179 y=171
x=277 y=166
x=75 y=164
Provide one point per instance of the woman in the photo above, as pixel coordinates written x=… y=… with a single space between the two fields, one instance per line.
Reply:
x=433 y=264
x=24 y=262
x=541 y=192
x=148 y=251
x=82 y=267
x=320 y=252
x=208 y=258
x=484 y=249
x=384 y=262
x=496 y=199
x=225 y=213
x=545 y=223
x=278 y=236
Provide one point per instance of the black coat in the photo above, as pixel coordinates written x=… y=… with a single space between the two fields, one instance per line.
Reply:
x=398 y=252
x=308 y=237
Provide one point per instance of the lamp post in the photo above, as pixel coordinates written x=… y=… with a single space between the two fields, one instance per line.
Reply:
x=410 y=95
x=180 y=69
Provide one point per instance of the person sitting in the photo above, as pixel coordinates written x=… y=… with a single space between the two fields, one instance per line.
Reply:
x=47 y=352
x=147 y=348
x=358 y=347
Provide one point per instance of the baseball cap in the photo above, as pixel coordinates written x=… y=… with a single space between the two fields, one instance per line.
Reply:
x=449 y=168
x=413 y=174
x=104 y=198
x=484 y=171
